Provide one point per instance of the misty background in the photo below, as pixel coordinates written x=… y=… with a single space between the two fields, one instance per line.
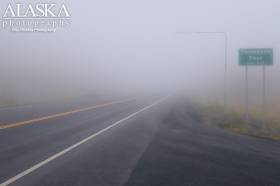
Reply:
x=129 y=47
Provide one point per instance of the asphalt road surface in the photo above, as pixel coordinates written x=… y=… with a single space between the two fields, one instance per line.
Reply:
x=113 y=142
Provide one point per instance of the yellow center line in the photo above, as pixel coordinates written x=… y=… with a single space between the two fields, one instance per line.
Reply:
x=21 y=123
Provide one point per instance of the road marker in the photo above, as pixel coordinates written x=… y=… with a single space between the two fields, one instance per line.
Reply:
x=42 y=163
x=21 y=123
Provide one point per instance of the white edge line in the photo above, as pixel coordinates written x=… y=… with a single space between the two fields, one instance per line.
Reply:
x=35 y=167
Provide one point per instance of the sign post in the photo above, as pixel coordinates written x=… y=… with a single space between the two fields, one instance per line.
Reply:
x=256 y=57
x=264 y=97
x=247 y=95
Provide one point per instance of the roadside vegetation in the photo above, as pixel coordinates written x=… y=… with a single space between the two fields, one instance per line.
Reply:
x=232 y=119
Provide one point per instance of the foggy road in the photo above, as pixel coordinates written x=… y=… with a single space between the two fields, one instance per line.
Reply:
x=143 y=141
x=83 y=88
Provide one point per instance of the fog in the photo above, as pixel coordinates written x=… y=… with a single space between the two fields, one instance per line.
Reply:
x=142 y=46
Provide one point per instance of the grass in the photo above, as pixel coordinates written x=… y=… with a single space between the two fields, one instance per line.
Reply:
x=233 y=120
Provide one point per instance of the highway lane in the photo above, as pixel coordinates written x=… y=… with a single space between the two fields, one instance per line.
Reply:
x=24 y=146
x=186 y=152
x=165 y=145
x=12 y=114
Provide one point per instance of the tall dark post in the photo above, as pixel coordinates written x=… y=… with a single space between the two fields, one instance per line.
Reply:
x=246 y=95
x=264 y=97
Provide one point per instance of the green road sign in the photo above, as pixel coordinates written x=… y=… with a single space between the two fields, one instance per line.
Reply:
x=256 y=56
